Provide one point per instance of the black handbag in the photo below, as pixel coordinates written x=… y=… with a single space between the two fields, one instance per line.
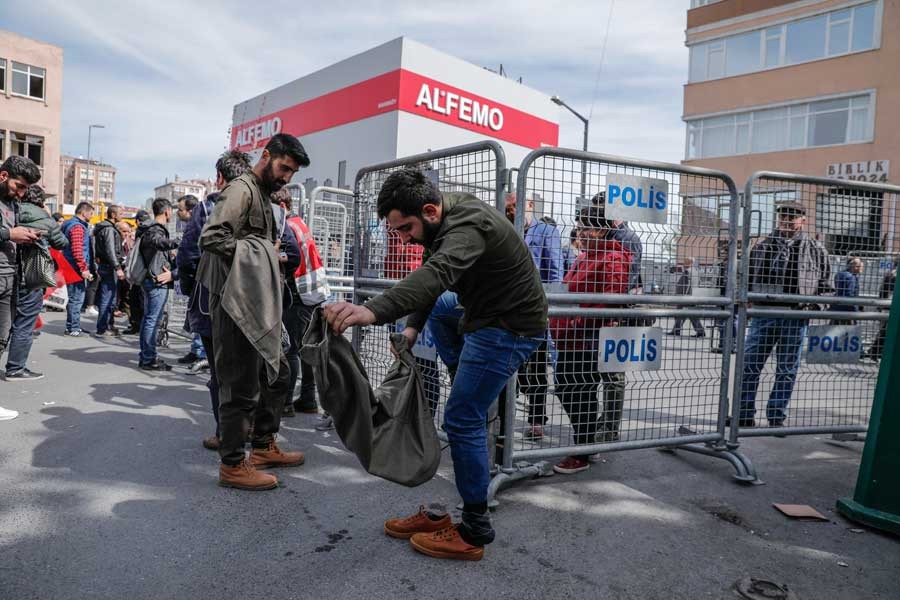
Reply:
x=38 y=268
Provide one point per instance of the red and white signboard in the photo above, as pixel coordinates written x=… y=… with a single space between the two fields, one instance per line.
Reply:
x=405 y=91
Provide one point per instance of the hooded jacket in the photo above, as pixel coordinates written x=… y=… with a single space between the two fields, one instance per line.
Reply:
x=603 y=268
x=35 y=217
x=108 y=248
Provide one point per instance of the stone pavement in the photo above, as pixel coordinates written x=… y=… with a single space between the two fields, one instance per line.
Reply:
x=105 y=492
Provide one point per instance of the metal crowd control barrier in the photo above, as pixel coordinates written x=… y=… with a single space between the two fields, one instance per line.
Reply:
x=379 y=260
x=329 y=215
x=799 y=365
x=606 y=330
x=298 y=198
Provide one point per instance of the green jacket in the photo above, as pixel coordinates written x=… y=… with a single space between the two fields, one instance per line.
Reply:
x=477 y=254
x=35 y=217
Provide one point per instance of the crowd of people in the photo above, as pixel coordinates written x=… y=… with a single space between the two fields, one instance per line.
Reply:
x=252 y=277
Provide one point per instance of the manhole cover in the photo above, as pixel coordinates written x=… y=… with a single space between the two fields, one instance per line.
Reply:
x=760 y=589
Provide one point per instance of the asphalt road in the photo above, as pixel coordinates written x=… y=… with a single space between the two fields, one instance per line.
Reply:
x=105 y=492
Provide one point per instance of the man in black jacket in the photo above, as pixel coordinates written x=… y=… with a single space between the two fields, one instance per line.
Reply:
x=110 y=256
x=156 y=252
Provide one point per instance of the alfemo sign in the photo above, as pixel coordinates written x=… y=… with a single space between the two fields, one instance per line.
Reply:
x=247 y=136
x=465 y=109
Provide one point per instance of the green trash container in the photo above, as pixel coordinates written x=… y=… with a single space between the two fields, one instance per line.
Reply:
x=876 y=501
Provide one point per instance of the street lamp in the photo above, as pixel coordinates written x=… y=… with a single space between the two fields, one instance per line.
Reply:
x=90 y=127
x=560 y=102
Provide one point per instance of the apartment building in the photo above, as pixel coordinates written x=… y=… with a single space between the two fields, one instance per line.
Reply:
x=86 y=181
x=31 y=104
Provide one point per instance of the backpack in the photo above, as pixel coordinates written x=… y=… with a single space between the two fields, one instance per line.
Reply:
x=135 y=269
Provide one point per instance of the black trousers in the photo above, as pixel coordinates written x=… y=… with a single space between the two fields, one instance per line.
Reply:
x=213 y=384
x=296 y=318
x=245 y=395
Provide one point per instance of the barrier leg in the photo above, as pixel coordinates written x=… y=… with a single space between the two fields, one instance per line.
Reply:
x=507 y=477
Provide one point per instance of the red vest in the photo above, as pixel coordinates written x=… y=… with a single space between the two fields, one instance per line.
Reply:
x=311 y=278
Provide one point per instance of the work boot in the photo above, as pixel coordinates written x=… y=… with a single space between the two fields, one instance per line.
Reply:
x=273 y=456
x=423 y=521
x=244 y=476
x=446 y=543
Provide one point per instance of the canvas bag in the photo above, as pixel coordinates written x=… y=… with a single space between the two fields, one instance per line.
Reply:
x=135 y=269
x=390 y=429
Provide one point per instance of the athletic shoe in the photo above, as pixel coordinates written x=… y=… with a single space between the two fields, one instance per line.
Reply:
x=156 y=365
x=188 y=359
x=423 y=521
x=92 y=311
x=288 y=410
x=446 y=543
x=325 y=423
x=571 y=464
x=6 y=414
x=200 y=365
x=24 y=375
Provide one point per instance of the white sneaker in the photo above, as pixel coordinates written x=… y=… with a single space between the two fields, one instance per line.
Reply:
x=6 y=415
x=91 y=310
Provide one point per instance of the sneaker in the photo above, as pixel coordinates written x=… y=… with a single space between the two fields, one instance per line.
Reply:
x=446 y=543
x=24 y=375
x=244 y=476
x=325 y=423
x=77 y=333
x=423 y=521
x=104 y=334
x=211 y=443
x=200 y=365
x=571 y=464
x=307 y=409
x=273 y=456
x=699 y=334
x=673 y=333
x=533 y=434
x=288 y=410
x=188 y=359
x=156 y=365
x=131 y=331
x=92 y=311
x=7 y=415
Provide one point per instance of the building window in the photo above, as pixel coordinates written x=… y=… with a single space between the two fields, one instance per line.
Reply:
x=826 y=122
x=28 y=80
x=699 y=3
x=823 y=36
x=851 y=220
x=2 y=74
x=30 y=146
x=2 y=144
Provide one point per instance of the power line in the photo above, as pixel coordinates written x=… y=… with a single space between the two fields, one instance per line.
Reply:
x=602 y=56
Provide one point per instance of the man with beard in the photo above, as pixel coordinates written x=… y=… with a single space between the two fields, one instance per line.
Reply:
x=16 y=174
x=240 y=268
x=473 y=250
x=230 y=166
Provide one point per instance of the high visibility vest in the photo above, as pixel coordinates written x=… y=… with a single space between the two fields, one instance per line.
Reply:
x=310 y=276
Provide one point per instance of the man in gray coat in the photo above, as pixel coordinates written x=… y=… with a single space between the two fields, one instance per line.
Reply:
x=239 y=267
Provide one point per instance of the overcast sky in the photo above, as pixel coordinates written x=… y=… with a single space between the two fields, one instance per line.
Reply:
x=164 y=75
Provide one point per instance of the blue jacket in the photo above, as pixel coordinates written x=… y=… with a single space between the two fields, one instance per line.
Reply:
x=87 y=251
x=543 y=241
x=188 y=258
x=632 y=243
x=846 y=285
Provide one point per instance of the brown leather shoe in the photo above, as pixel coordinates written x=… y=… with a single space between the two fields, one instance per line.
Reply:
x=211 y=443
x=244 y=476
x=446 y=543
x=422 y=522
x=273 y=456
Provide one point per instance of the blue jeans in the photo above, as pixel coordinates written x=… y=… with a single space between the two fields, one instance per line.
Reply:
x=28 y=307
x=154 y=305
x=197 y=347
x=764 y=335
x=486 y=359
x=73 y=307
x=444 y=325
x=106 y=303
